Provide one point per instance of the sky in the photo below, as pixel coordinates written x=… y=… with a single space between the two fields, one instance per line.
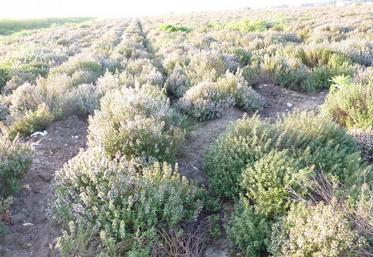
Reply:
x=124 y=8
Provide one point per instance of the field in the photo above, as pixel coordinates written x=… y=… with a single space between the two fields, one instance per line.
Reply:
x=241 y=133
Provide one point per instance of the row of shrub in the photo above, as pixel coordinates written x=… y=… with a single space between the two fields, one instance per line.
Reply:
x=295 y=68
x=245 y=25
x=68 y=89
x=284 y=179
x=117 y=197
x=71 y=88
x=350 y=104
x=208 y=81
x=12 y=26
x=120 y=197
x=307 y=70
x=213 y=93
x=286 y=58
x=28 y=57
x=30 y=106
x=136 y=63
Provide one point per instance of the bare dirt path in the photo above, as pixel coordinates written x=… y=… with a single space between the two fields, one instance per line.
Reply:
x=191 y=153
x=280 y=100
x=32 y=234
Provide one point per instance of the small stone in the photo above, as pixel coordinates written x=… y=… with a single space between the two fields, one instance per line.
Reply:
x=27 y=224
x=27 y=187
x=289 y=105
x=45 y=177
x=39 y=133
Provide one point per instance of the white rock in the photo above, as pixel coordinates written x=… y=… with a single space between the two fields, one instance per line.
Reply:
x=289 y=105
x=27 y=224
x=39 y=133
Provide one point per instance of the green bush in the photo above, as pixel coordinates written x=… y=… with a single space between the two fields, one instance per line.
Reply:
x=244 y=57
x=81 y=64
x=53 y=91
x=23 y=99
x=324 y=64
x=267 y=183
x=31 y=122
x=319 y=230
x=245 y=142
x=173 y=28
x=15 y=159
x=286 y=73
x=205 y=65
x=318 y=79
x=177 y=82
x=250 y=231
x=329 y=221
x=86 y=98
x=306 y=70
x=318 y=141
x=33 y=69
x=125 y=203
x=84 y=77
x=252 y=73
x=136 y=122
x=205 y=101
x=316 y=57
x=350 y=105
x=282 y=160
x=4 y=76
x=209 y=100
x=313 y=140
